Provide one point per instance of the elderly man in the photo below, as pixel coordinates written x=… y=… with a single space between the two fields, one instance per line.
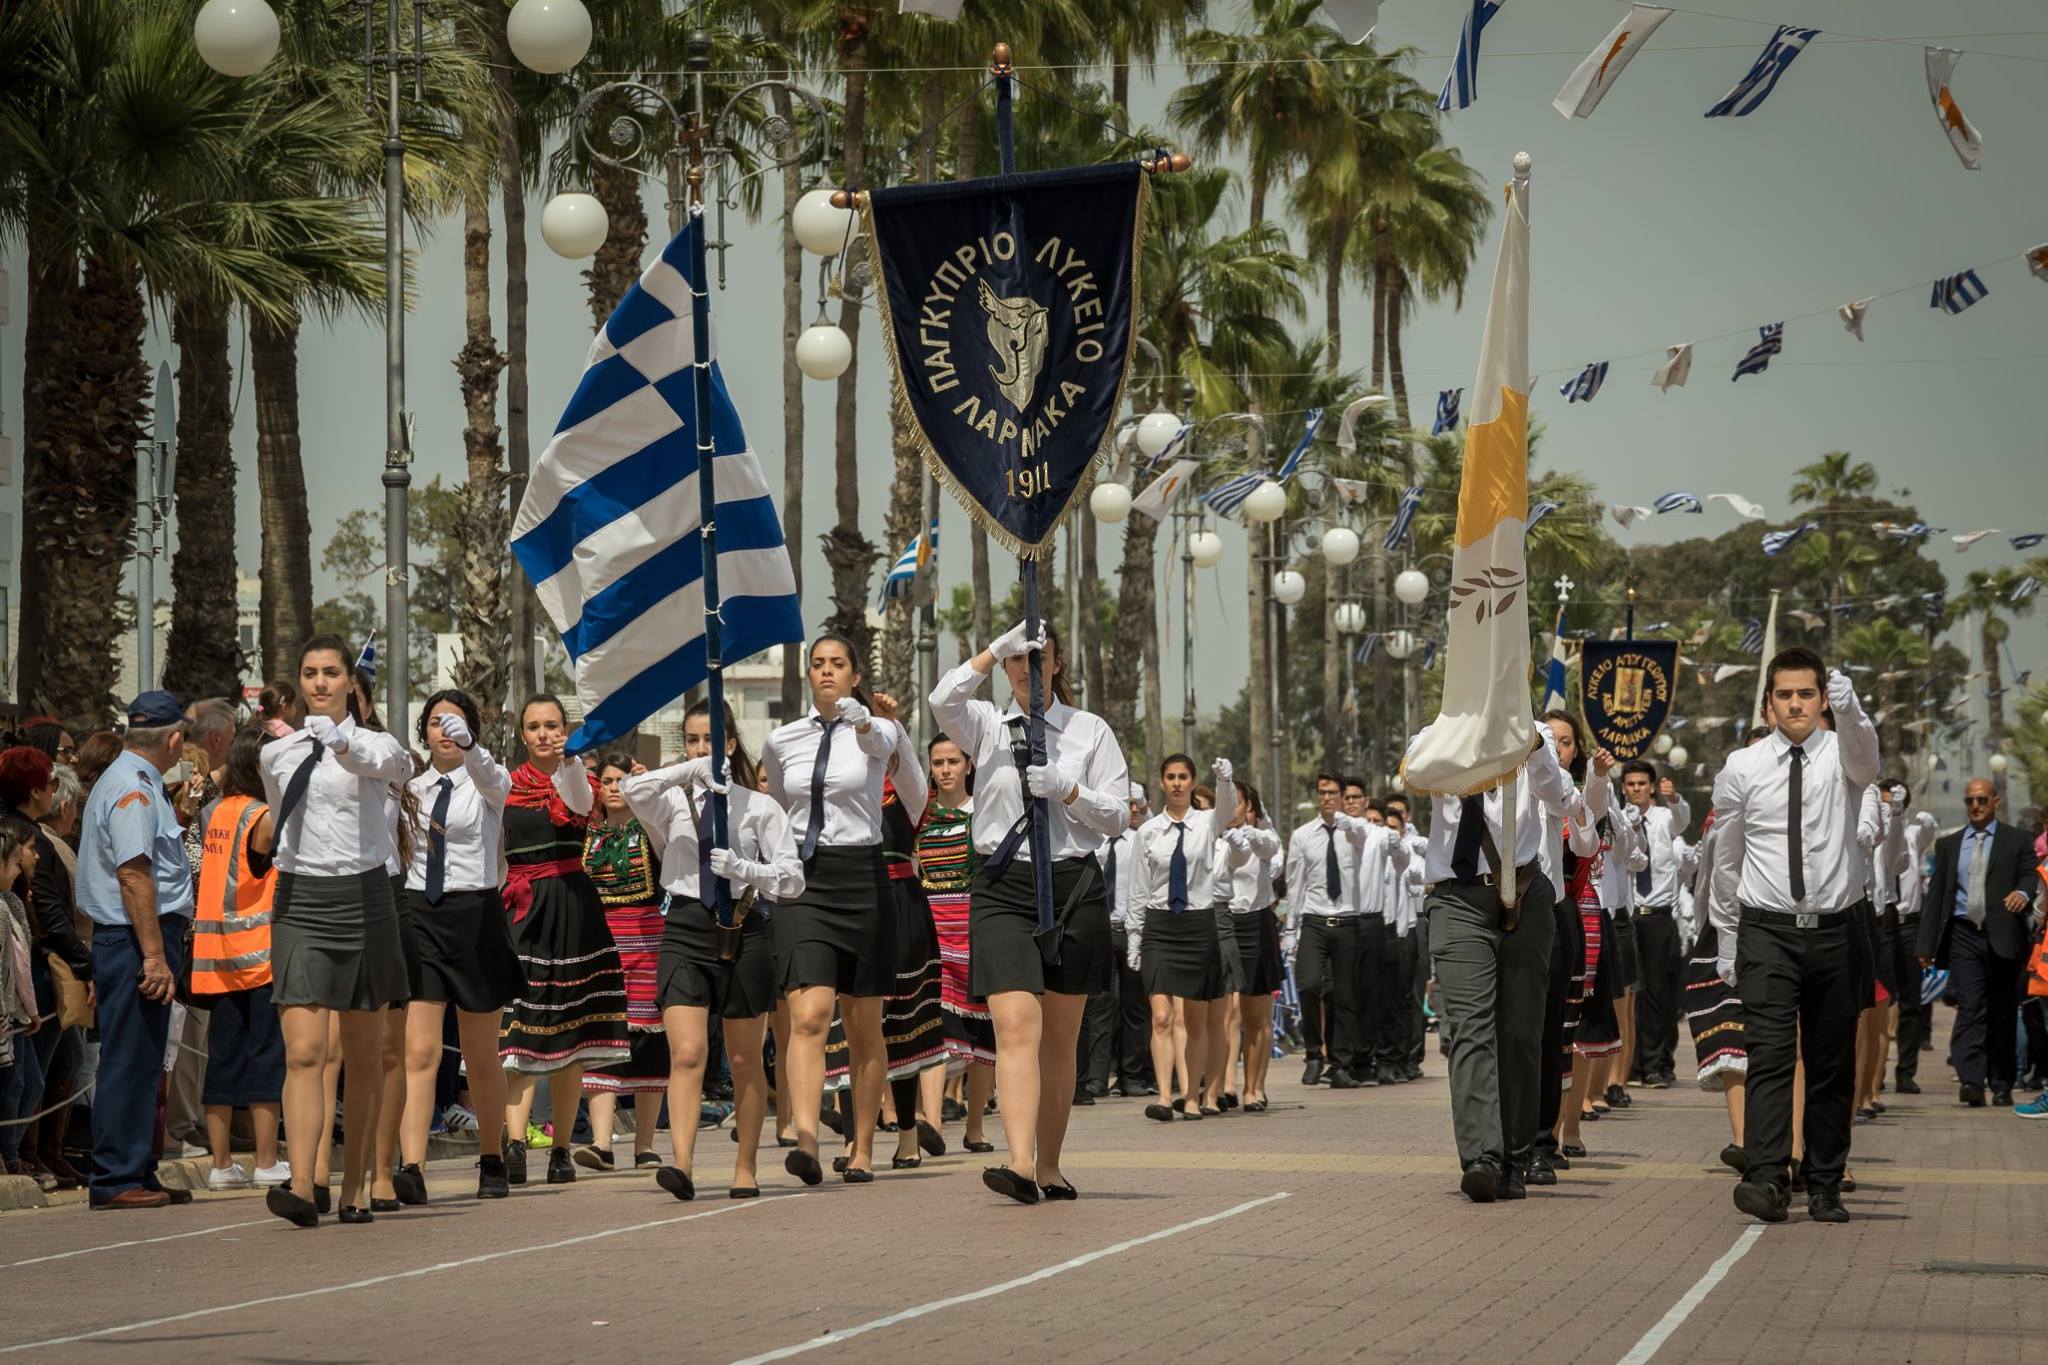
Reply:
x=135 y=885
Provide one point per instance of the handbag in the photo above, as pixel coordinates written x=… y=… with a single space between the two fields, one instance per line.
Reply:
x=74 y=1009
x=181 y=986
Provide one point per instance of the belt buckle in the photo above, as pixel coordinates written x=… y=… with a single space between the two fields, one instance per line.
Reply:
x=1806 y=919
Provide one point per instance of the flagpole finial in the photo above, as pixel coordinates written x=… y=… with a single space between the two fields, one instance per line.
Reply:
x=1522 y=164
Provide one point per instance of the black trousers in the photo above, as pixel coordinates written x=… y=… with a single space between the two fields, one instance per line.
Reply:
x=1914 y=1014
x=1415 y=961
x=1390 y=1052
x=1326 y=973
x=1364 y=1060
x=1985 y=1045
x=1657 y=1003
x=1802 y=990
x=1131 y=1032
x=1550 y=1080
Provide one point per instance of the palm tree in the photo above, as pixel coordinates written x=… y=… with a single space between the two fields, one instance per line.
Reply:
x=1897 y=657
x=1826 y=484
x=1134 y=31
x=1988 y=594
x=1427 y=226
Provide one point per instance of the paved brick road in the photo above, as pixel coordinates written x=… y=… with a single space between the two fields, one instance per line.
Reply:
x=1329 y=1228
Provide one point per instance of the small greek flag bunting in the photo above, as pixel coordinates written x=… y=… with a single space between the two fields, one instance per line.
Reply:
x=2026 y=588
x=1777 y=542
x=1428 y=655
x=1919 y=530
x=1538 y=513
x=1308 y=436
x=2029 y=540
x=1771 y=341
x=1584 y=388
x=1461 y=87
x=1675 y=370
x=1679 y=502
x=1851 y=315
x=1367 y=647
x=1755 y=87
x=1404 y=517
x=1227 y=497
x=1957 y=292
x=366 y=662
x=1447 y=408
x=1554 y=675
x=1753 y=636
x=1936 y=602
x=910 y=565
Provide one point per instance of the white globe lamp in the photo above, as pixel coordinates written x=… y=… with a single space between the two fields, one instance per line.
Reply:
x=823 y=351
x=1662 y=744
x=1288 y=587
x=1677 y=756
x=820 y=228
x=1110 y=502
x=1411 y=586
x=548 y=36
x=1340 y=546
x=1267 y=502
x=1401 y=644
x=574 y=225
x=1205 y=548
x=1350 y=618
x=1156 y=431
x=1999 y=764
x=236 y=37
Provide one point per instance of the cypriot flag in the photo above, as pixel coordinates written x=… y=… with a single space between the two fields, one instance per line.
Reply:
x=1941 y=69
x=1603 y=66
x=1483 y=734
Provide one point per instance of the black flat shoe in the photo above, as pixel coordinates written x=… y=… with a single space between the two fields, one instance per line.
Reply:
x=905 y=1163
x=1161 y=1112
x=929 y=1140
x=642 y=1160
x=1064 y=1192
x=744 y=1192
x=1559 y=1160
x=355 y=1215
x=1572 y=1149
x=804 y=1167
x=594 y=1158
x=561 y=1170
x=1732 y=1157
x=383 y=1205
x=854 y=1175
x=515 y=1163
x=181 y=1196
x=411 y=1183
x=1226 y=1101
x=829 y=1117
x=490 y=1178
x=978 y=1146
x=1255 y=1106
x=1209 y=1112
x=1848 y=1184
x=1005 y=1181
x=840 y=1163
x=780 y=1141
x=677 y=1182
x=1590 y=1115
x=1192 y=1115
x=323 y=1198
x=280 y=1200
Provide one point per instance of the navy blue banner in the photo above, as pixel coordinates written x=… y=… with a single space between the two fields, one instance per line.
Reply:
x=1007 y=309
x=1626 y=687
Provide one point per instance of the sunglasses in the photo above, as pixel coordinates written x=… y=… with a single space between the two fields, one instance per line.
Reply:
x=1979 y=801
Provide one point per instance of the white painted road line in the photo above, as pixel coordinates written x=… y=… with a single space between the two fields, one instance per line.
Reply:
x=1640 y=1353
x=138 y=1242
x=833 y=1338
x=387 y=1279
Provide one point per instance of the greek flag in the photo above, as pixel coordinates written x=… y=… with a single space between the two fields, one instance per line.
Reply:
x=2029 y=540
x=1755 y=87
x=910 y=565
x=366 y=662
x=1919 y=530
x=1777 y=542
x=1446 y=411
x=1366 y=649
x=1954 y=293
x=609 y=531
x=1845 y=610
x=1227 y=497
x=1170 y=449
x=1538 y=513
x=1583 y=388
x=1308 y=436
x=1461 y=87
x=1404 y=516
x=1753 y=636
x=1428 y=655
x=1679 y=502
x=1771 y=342
x=1554 y=679
x=1933 y=982
x=2026 y=588
x=1936 y=602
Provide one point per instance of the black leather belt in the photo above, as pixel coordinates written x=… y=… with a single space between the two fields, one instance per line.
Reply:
x=1802 y=919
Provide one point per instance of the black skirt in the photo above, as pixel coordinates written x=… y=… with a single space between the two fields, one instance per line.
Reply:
x=1004 y=951
x=1179 y=955
x=1623 y=953
x=1226 y=950
x=335 y=943
x=692 y=973
x=462 y=951
x=841 y=931
x=1258 y=950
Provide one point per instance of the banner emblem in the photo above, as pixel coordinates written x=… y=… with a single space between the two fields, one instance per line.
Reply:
x=1625 y=688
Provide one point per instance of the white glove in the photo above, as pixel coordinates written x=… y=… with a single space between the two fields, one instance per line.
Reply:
x=1013 y=643
x=1221 y=767
x=1239 y=838
x=851 y=712
x=1131 y=956
x=327 y=733
x=1724 y=967
x=1926 y=821
x=1289 y=942
x=695 y=772
x=1841 y=692
x=1049 y=781
x=455 y=729
x=729 y=865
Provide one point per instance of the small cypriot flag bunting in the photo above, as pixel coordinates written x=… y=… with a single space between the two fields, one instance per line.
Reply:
x=2037 y=261
x=1962 y=135
x=1355 y=19
x=1596 y=75
x=1162 y=491
x=1676 y=369
x=1851 y=315
x=1740 y=506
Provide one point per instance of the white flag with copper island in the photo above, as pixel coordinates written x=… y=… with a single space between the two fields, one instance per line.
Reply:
x=1484 y=731
x=1596 y=75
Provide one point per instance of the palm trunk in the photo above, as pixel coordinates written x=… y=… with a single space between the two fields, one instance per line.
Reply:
x=1333 y=671
x=1120 y=84
x=1155 y=705
x=1994 y=682
x=1382 y=297
x=851 y=555
x=285 y=616
x=201 y=655
x=518 y=457
x=93 y=408
x=1088 y=649
x=485 y=525
x=1259 y=178
x=1396 y=374
x=52 y=282
x=792 y=379
x=1333 y=298
x=617 y=263
x=1134 y=620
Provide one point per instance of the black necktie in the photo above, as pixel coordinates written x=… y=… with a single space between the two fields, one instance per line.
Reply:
x=1177 y=872
x=817 y=824
x=1471 y=830
x=1795 y=819
x=1333 y=880
x=295 y=790
x=437 y=841
x=1109 y=871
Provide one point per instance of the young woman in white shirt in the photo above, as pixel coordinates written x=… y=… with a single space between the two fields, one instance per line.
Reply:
x=335 y=937
x=833 y=941
x=461 y=942
x=1257 y=930
x=1036 y=985
x=1182 y=870
x=703 y=968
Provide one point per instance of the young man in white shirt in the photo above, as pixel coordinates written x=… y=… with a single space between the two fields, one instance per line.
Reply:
x=1657 y=814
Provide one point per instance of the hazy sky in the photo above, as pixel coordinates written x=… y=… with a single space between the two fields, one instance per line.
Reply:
x=1651 y=225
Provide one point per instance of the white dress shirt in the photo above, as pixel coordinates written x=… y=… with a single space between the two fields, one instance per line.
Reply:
x=474 y=826
x=1308 y=869
x=1251 y=881
x=756 y=829
x=1376 y=849
x=1626 y=856
x=1210 y=862
x=1658 y=825
x=1120 y=890
x=1921 y=832
x=1581 y=815
x=342 y=827
x=1881 y=834
x=1750 y=799
x=1411 y=879
x=853 y=777
x=1079 y=742
x=1540 y=786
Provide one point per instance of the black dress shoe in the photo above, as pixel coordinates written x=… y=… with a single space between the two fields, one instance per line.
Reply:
x=1097 y=1089
x=1907 y=1086
x=1162 y=1113
x=804 y=1167
x=1312 y=1074
x=1063 y=1192
x=978 y=1145
x=744 y=1192
x=184 y=1196
x=1082 y=1097
x=1541 y=1172
x=356 y=1215
x=1480 y=1183
x=323 y=1198
x=1798 y=1182
x=561 y=1170
x=1386 y=1075
x=905 y=1163
x=1513 y=1186
x=280 y=1200
x=677 y=1182
x=1825 y=1206
x=1005 y=1181
x=1341 y=1079
x=515 y=1163
x=929 y=1140
x=1559 y=1160
x=2000 y=1099
x=1572 y=1149
x=411 y=1183
x=1733 y=1158
x=855 y=1175
x=952 y=1111
x=1145 y=1090
x=1762 y=1200
x=490 y=1178
x=384 y=1205
x=1972 y=1095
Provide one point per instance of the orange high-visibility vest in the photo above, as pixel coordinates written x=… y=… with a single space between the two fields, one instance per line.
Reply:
x=231 y=919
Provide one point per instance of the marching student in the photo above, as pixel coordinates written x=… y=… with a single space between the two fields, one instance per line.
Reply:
x=1036 y=985
x=1257 y=929
x=1415 y=937
x=1915 y=1015
x=1367 y=1065
x=335 y=946
x=1787 y=865
x=834 y=941
x=462 y=943
x=703 y=967
x=1570 y=836
x=947 y=864
x=1626 y=859
x=1656 y=815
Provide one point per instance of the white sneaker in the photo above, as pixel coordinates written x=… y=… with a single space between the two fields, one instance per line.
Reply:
x=233 y=1178
x=280 y=1174
x=458 y=1119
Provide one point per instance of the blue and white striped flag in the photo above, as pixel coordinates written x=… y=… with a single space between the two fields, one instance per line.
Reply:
x=1367 y=647
x=1446 y=410
x=1404 y=517
x=1936 y=602
x=1919 y=530
x=366 y=662
x=1461 y=87
x=1753 y=636
x=1227 y=497
x=1538 y=513
x=910 y=565
x=1679 y=502
x=1953 y=293
x=2026 y=588
x=2029 y=540
x=1308 y=436
x=1428 y=655
x=1554 y=676
x=1845 y=610
x=1586 y=385
x=1755 y=87
x=1170 y=449
x=1771 y=341
x=1777 y=542
x=609 y=530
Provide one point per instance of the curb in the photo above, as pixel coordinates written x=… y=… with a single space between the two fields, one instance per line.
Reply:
x=20 y=1192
